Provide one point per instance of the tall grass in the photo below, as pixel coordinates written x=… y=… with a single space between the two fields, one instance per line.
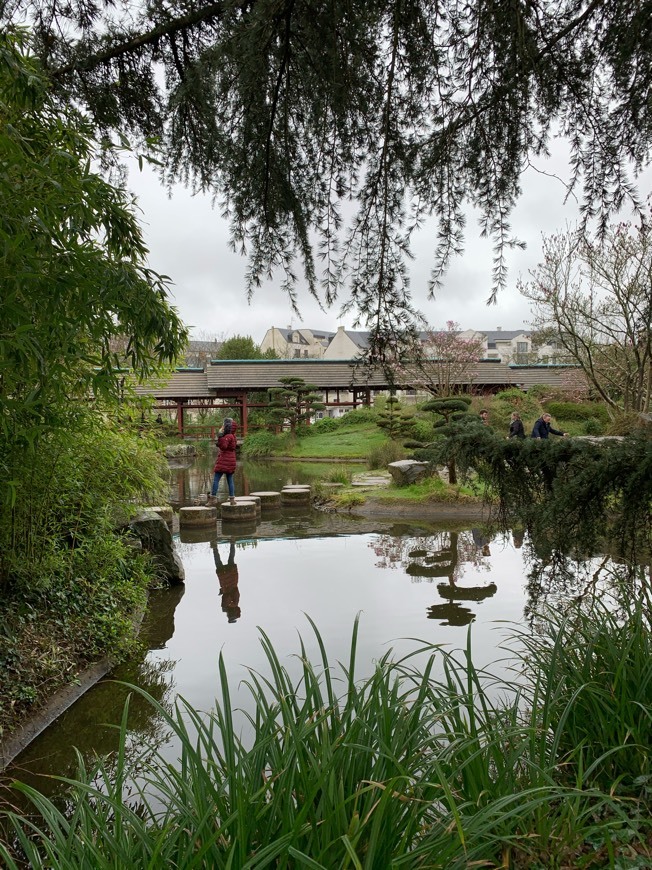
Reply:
x=427 y=763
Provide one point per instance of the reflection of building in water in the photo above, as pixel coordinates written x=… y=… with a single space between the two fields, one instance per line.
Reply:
x=227 y=574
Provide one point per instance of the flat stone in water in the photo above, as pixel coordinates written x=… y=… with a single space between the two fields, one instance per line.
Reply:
x=239 y=511
x=197 y=516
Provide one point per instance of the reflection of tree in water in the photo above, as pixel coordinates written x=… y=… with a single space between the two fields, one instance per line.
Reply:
x=401 y=551
x=556 y=579
x=442 y=556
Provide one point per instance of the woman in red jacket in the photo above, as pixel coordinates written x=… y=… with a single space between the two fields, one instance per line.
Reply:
x=225 y=463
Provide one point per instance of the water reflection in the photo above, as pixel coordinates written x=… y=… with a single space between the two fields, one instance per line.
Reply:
x=193 y=479
x=407 y=580
x=227 y=574
x=445 y=555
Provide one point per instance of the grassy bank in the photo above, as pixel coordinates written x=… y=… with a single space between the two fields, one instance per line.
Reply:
x=402 y=769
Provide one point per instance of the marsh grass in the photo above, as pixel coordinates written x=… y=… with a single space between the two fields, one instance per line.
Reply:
x=428 y=762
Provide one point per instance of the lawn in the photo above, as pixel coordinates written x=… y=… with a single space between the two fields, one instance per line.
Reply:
x=348 y=442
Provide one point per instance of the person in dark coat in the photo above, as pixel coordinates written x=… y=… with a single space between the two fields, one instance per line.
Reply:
x=542 y=428
x=228 y=577
x=516 y=429
x=225 y=463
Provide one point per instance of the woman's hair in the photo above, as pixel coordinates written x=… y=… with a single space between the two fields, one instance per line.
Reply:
x=228 y=425
x=516 y=415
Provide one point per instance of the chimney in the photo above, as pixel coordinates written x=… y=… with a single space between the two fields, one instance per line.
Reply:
x=499 y=329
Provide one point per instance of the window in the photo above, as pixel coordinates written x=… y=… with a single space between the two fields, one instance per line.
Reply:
x=522 y=352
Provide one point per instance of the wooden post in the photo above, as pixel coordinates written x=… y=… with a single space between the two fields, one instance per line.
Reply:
x=180 y=419
x=244 y=414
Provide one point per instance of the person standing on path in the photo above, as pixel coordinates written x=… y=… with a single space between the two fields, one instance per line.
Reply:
x=542 y=428
x=225 y=463
x=516 y=429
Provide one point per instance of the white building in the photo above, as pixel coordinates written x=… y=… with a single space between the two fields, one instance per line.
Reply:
x=292 y=343
x=507 y=346
x=512 y=346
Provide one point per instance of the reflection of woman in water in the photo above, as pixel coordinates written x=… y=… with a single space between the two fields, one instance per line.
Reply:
x=228 y=577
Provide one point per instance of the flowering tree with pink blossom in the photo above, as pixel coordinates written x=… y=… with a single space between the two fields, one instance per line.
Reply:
x=444 y=364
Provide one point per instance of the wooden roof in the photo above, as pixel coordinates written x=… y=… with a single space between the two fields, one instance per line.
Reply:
x=263 y=374
x=231 y=377
x=543 y=373
x=182 y=384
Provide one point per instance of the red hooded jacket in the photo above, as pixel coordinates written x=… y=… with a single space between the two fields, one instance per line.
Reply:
x=226 y=456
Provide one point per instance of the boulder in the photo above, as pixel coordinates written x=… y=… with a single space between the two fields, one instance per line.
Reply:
x=407 y=471
x=156 y=538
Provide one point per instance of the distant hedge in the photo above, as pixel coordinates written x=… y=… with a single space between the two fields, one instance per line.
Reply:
x=578 y=412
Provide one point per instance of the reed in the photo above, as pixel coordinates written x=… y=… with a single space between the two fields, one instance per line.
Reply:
x=434 y=765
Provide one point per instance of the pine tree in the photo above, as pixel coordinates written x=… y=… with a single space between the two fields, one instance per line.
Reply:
x=295 y=402
x=449 y=412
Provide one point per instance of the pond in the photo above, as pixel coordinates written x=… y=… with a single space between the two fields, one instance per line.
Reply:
x=406 y=580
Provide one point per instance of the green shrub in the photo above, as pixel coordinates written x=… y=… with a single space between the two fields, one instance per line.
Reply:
x=593 y=426
x=578 y=411
x=339 y=475
x=326 y=424
x=380 y=457
x=360 y=415
x=421 y=430
x=515 y=400
x=259 y=444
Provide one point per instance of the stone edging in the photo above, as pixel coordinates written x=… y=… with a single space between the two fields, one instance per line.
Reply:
x=58 y=704
x=46 y=715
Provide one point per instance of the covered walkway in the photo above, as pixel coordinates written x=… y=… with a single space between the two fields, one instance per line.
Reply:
x=230 y=384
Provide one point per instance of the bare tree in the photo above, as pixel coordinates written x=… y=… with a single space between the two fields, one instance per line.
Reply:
x=596 y=292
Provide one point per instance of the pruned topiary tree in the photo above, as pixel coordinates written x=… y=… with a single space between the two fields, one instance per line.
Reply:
x=449 y=412
x=294 y=402
x=395 y=419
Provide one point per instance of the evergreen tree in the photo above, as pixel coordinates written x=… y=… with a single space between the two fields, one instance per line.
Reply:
x=448 y=412
x=394 y=419
x=295 y=402
x=287 y=110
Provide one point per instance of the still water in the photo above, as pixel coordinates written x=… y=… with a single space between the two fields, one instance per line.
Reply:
x=407 y=580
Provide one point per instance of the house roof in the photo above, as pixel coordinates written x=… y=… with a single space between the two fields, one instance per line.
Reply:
x=228 y=377
x=551 y=374
x=317 y=334
x=502 y=334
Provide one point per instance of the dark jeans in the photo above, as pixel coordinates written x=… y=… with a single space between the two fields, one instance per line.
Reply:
x=229 y=480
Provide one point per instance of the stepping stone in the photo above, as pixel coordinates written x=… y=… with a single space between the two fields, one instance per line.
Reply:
x=197 y=516
x=238 y=512
x=269 y=500
x=241 y=499
x=295 y=496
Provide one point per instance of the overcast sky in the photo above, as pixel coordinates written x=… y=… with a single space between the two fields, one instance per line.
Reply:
x=188 y=241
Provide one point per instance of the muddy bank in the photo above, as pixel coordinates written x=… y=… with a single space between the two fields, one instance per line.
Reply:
x=432 y=512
